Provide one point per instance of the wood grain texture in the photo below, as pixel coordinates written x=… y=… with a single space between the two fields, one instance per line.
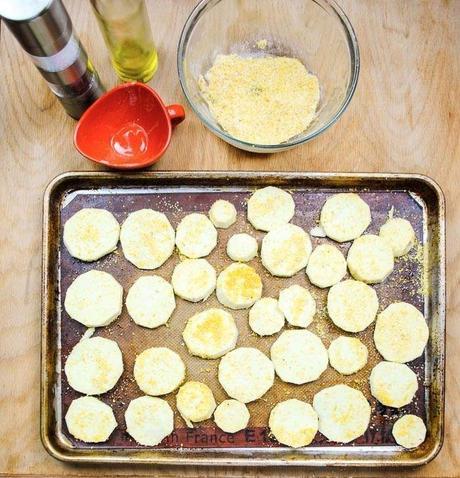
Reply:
x=404 y=117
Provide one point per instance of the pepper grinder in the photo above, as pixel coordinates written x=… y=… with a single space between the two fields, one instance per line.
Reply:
x=45 y=32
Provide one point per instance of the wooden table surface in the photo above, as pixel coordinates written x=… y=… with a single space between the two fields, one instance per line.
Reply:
x=404 y=117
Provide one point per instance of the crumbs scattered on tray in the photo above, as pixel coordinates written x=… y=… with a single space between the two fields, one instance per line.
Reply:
x=134 y=339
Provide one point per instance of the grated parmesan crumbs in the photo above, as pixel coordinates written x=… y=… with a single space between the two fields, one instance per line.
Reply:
x=264 y=100
x=261 y=44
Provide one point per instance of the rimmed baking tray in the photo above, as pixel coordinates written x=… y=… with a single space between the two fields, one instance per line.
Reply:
x=418 y=278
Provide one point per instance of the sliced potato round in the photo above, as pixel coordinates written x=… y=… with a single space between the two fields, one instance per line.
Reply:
x=231 y=416
x=285 y=250
x=196 y=236
x=370 y=259
x=326 y=266
x=345 y=216
x=158 y=371
x=147 y=238
x=352 y=305
x=293 y=423
x=91 y=234
x=94 y=366
x=265 y=317
x=297 y=305
x=401 y=333
x=94 y=299
x=222 y=214
x=246 y=374
x=299 y=356
x=347 y=355
x=194 y=279
x=210 y=333
x=150 y=301
x=269 y=208
x=344 y=413
x=393 y=384
x=90 y=420
x=238 y=286
x=409 y=431
x=195 y=402
x=242 y=247
x=149 y=420
x=399 y=235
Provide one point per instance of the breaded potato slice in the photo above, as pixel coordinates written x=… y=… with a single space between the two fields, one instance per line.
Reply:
x=399 y=235
x=344 y=413
x=194 y=279
x=352 y=305
x=409 y=431
x=327 y=266
x=401 y=333
x=195 y=402
x=158 y=371
x=231 y=416
x=147 y=238
x=285 y=250
x=299 y=356
x=90 y=420
x=150 y=301
x=94 y=299
x=94 y=365
x=149 y=420
x=265 y=317
x=242 y=247
x=196 y=236
x=238 y=286
x=345 y=216
x=293 y=423
x=210 y=333
x=91 y=233
x=393 y=384
x=347 y=355
x=269 y=208
x=297 y=305
x=222 y=214
x=370 y=259
x=246 y=374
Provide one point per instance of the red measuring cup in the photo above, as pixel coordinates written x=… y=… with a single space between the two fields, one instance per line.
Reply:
x=127 y=128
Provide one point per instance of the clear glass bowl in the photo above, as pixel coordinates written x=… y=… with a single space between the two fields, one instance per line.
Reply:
x=317 y=32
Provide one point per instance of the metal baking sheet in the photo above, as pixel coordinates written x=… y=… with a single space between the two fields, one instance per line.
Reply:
x=418 y=278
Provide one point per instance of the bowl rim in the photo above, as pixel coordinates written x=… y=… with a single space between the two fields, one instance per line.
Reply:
x=353 y=48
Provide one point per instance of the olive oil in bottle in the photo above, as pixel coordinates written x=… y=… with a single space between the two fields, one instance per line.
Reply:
x=126 y=29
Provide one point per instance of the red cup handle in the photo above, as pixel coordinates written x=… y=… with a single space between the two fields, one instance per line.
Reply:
x=176 y=114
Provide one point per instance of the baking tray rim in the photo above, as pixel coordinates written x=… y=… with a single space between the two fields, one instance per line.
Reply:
x=237 y=457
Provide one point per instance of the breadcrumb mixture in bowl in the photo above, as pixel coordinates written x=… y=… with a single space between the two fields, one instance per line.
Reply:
x=261 y=100
x=268 y=75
